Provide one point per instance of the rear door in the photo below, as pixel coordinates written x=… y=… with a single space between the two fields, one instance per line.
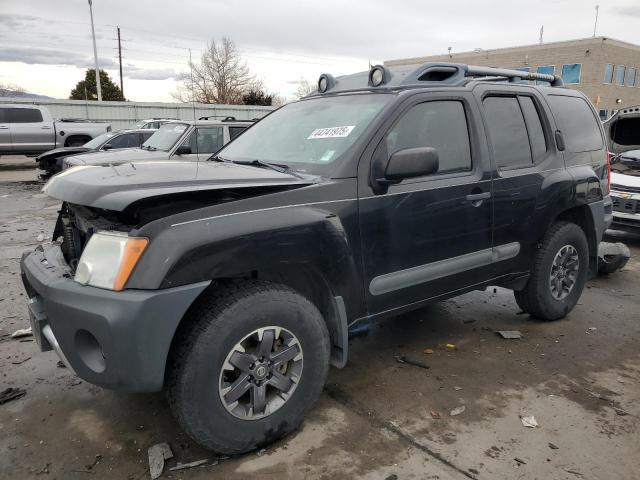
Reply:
x=5 y=132
x=29 y=132
x=428 y=236
x=518 y=135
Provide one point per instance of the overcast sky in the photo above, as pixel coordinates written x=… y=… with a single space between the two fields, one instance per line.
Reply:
x=46 y=45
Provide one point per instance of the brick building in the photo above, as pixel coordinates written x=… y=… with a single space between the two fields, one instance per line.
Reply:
x=606 y=70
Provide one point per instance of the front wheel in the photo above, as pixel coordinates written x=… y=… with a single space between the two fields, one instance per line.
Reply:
x=559 y=273
x=249 y=363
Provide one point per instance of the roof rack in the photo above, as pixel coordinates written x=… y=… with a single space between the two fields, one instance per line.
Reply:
x=225 y=119
x=458 y=74
x=432 y=74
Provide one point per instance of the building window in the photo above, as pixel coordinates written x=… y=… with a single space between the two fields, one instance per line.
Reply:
x=608 y=73
x=620 y=73
x=571 y=73
x=630 y=80
x=603 y=115
x=546 y=70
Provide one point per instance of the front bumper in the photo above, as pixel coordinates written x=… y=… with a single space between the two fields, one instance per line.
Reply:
x=626 y=209
x=118 y=340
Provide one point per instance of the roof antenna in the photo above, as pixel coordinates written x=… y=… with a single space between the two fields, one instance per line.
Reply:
x=193 y=95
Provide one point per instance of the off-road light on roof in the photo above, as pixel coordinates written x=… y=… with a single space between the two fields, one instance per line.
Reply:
x=376 y=77
x=325 y=82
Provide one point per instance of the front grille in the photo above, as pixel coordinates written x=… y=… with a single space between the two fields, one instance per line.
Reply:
x=624 y=188
x=625 y=205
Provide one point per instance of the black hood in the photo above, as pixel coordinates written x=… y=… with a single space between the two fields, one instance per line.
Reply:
x=117 y=186
x=62 y=152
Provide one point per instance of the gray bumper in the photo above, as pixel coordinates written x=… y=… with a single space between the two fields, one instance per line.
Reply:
x=118 y=340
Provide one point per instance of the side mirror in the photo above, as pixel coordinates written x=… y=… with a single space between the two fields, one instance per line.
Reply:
x=183 y=150
x=411 y=162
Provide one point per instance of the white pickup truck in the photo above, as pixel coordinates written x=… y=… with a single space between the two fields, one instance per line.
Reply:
x=29 y=129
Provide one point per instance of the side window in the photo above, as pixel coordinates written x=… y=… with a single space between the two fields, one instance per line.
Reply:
x=438 y=124
x=534 y=127
x=4 y=114
x=508 y=132
x=209 y=140
x=119 y=141
x=24 y=115
x=235 y=131
x=144 y=136
x=580 y=127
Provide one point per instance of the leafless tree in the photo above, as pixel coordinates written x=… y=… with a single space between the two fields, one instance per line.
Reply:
x=304 y=88
x=221 y=76
x=10 y=90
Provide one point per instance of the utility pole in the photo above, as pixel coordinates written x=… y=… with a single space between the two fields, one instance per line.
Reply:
x=595 y=25
x=95 y=54
x=120 y=61
x=541 y=33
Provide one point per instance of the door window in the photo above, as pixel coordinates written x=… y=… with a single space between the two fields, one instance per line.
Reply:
x=209 y=140
x=24 y=115
x=439 y=124
x=508 y=132
x=235 y=131
x=121 y=141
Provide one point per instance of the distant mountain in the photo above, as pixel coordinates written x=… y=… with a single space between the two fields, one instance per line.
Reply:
x=16 y=94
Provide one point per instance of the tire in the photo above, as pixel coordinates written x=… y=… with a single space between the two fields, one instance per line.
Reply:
x=563 y=240
x=608 y=264
x=196 y=380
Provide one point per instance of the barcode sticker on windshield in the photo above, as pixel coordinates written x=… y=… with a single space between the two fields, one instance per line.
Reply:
x=331 y=132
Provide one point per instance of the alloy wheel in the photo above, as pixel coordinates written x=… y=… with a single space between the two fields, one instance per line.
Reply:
x=564 y=272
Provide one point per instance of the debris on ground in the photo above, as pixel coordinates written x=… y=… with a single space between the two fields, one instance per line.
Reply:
x=409 y=361
x=457 y=411
x=428 y=351
x=261 y=452
x=457 y=389
x=520 y=461
x=474 y=471
x=97 y=460
x=612 y=257
x=435 y=415
x=19 y=362
x=591 y=329
x=529 y=421
x=61 y=364
x=510 y=334
x=158 y=453
x=23 y=332
x=11 y=394
x=451 y=346
x=620 y=412
x=553 y=446
x=184 y=466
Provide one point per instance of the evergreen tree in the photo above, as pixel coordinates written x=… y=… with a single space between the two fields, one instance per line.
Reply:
x=110 y=91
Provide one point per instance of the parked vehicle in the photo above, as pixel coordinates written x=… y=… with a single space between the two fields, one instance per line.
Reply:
x=152 y=123
x=623 y=132
x=231 y=284
x=51 y=161
x=29 y=129
x=175 y=140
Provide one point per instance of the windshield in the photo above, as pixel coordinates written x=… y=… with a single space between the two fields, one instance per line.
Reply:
x=307 y=135
x=166 y=137
x=99 y=140
x=628 y=163
x=139 y=124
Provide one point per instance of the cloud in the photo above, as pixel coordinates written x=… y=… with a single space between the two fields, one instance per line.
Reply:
x=18 y=21
x=136 y=73
x=44 y=56
x=629 y=10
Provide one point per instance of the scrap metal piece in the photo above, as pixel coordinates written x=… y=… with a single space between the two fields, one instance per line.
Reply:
x=510 y=334
x=158 y=453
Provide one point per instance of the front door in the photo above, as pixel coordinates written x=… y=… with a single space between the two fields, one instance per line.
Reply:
x=428 y=236
x=5 y=132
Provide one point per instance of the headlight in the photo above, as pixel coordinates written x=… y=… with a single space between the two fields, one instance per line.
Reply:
x=108 y=259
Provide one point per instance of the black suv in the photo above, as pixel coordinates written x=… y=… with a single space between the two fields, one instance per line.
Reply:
x=232 y=284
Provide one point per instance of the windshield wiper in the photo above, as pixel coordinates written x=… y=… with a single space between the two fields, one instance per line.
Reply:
x=259 y=163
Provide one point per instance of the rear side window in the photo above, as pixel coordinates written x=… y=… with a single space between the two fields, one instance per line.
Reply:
x=235 y=131
x=438 y=124
x=508 y=132
x=577 y=122
x=24 y=115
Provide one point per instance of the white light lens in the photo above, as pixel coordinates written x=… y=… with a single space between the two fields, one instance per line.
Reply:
x=377 y=76
x=322 y=85
x=101 y=259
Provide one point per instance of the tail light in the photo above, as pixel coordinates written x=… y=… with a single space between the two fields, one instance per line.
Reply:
x=607 y=187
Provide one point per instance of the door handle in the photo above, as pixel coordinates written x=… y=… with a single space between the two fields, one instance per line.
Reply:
x=478 y=197
x=45 y=127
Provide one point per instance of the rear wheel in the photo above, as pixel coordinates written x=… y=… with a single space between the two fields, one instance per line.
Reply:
x=248 y=365
x=559 y=273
